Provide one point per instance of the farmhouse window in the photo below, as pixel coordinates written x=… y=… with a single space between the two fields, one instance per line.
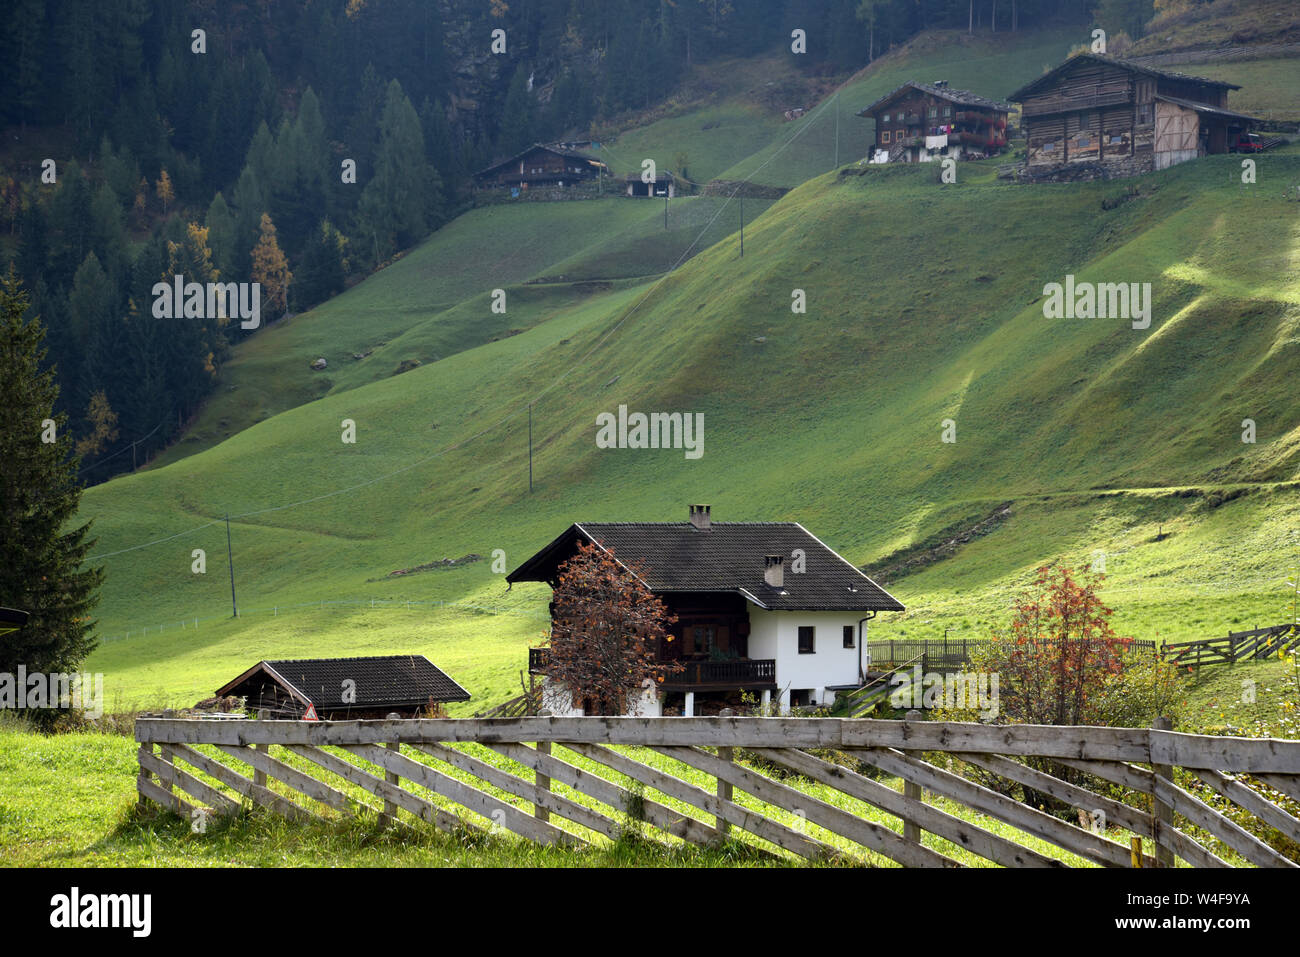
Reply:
x=807 y=644
x=885 y=137
x=848 y=636
x=1049 y=147
x=1144 y=113
x=886 y=119
x=947 y=111
x=1084 y=141
x=705 y=639
x=934 y=111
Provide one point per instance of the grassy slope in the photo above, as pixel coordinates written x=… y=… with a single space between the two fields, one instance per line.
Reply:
x=834 y=420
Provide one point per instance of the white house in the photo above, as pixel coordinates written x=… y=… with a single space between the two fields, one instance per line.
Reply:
x=761 y=607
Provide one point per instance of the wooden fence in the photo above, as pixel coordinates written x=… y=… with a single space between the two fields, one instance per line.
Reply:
x=567 y=782
x=938 y=654
x=1235 y=646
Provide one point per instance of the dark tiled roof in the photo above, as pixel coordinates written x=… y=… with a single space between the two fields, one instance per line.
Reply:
x=389 y=680
x=1028 y=88
x=548 y=147
x=727 y=557
x=961 y=97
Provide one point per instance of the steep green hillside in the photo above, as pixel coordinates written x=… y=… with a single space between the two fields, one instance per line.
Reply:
x=924 y=303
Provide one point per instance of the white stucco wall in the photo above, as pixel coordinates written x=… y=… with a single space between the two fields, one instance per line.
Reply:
x=557 y=700
x=775 y=634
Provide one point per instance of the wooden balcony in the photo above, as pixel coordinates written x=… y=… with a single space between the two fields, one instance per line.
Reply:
x=750 y=673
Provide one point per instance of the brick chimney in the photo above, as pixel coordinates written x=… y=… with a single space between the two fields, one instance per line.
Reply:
x=700 y=516
x=774 y=570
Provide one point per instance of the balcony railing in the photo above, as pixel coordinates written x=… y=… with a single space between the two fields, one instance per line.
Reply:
x=738 y=673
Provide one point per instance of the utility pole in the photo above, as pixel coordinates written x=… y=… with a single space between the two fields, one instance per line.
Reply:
x=742 y=225
x=230 y=561
x=837 y=131
x=665 y=210
x=530 y=448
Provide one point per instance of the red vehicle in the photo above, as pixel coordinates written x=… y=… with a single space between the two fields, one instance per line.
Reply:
x=1248 y=143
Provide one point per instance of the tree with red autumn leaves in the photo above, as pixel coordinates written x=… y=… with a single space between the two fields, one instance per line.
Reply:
x=605 y=628
x=1059 y=651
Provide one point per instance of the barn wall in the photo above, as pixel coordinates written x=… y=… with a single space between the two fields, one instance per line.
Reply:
x=1176 y=137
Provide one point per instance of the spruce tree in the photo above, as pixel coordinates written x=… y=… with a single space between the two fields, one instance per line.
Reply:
x=42 y=548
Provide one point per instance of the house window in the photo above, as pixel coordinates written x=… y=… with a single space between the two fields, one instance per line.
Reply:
x=934 y=111
x=1084 y=141
x=886 y=119
x=807 y=645
x=1144 y=113
x=885 y=137
x=848 y=636
x=1049 y=147
x=704 y=639
x=947 y=111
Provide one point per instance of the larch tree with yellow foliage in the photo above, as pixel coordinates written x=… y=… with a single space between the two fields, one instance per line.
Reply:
x=166 y=192
x=271 y=269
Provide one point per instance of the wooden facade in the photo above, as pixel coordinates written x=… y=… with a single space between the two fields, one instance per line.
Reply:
x=924 y=121
x=1095 y=109
x=541 y=165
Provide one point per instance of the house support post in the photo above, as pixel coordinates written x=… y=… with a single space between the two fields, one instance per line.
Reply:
x=689 y=709
x=724 y=788
x=1162 y=815
x=912 y=792
x=542 y=782
x=389 y=817
x=767 y=702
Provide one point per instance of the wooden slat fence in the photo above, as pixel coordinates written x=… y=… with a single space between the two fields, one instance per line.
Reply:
x=572 y=781
x=939 y=654
x=1233 y=647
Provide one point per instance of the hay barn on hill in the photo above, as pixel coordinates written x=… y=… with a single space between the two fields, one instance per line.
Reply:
x=1129 y=118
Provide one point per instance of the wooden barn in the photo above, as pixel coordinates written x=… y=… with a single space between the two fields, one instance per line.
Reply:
x=1133 y=119
x=541 y=165
x=342 y=688
x=922 y=122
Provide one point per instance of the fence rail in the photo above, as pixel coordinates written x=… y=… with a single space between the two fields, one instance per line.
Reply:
x=563 y=781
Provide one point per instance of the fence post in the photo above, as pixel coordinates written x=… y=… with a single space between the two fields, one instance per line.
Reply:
x=727 y=754
x=1162 y=815
x=259 y=777
x=542 y=782
x=145 y=748
x=912 y=792
x=389 y=816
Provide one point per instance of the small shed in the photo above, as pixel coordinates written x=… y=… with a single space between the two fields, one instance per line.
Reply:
x=663 y=185
x=343 y=688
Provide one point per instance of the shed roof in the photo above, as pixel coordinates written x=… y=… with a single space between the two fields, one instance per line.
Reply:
x=381 y=681
x=1031 y=87
x=1206 y=108
x=725 y=557
x=944 y=92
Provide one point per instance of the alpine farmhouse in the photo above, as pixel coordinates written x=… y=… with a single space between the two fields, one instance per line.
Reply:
x=923 y=122
x=761 y=607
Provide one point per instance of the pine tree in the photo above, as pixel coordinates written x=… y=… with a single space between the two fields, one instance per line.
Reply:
x=271 y=269
x=41 y=555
